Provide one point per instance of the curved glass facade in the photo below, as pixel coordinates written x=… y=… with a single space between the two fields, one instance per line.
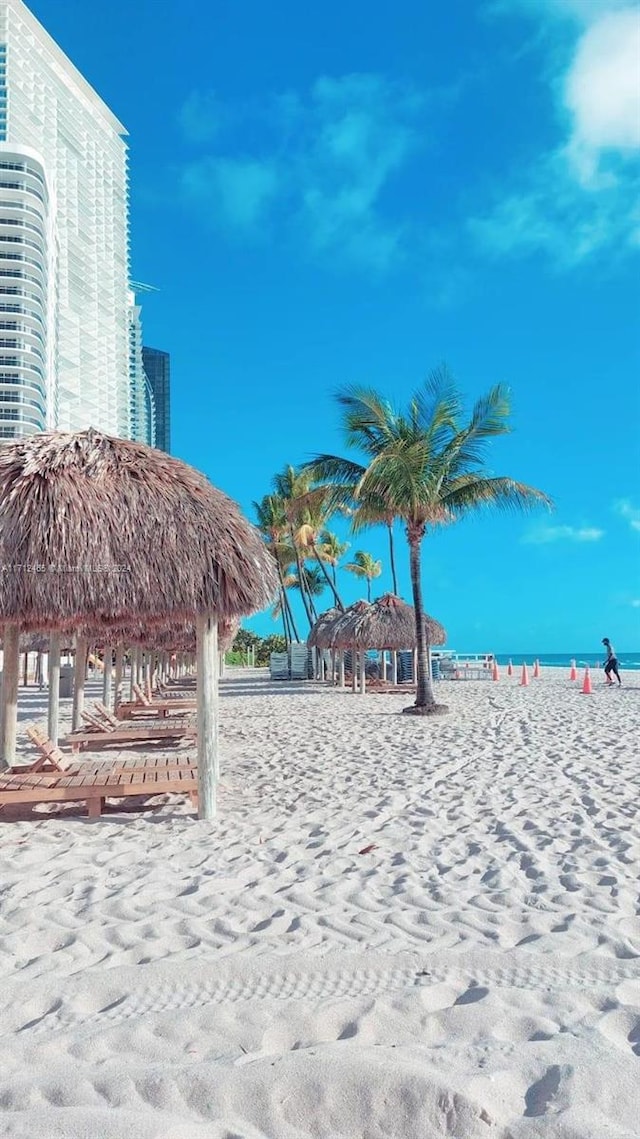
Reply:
x=25 y=269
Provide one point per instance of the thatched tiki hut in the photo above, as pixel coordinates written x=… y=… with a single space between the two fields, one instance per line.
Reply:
x=340 y=635
x=319 y=639
x=100 y=531
x=389 y=623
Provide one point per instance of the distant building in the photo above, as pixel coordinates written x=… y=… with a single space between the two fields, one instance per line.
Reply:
x=142 y=408
x=63 y=241
x=157 y=366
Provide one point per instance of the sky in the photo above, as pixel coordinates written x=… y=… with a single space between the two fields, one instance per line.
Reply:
x=335 y=194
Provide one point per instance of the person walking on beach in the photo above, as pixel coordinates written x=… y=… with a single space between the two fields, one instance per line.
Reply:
x=611 y=663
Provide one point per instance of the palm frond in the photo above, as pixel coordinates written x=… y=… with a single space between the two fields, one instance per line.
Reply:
x=471 y=491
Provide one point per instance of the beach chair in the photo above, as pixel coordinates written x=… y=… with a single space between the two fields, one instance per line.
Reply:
x=59 y=779
x=142 y=707
x=108 y=736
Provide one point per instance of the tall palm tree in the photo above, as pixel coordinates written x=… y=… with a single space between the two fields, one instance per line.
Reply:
x=340 y=480
x=427 y=465
x=273 y=524
x=365 y=565
x=314 y=584
x=331 y=549
x=306 y=511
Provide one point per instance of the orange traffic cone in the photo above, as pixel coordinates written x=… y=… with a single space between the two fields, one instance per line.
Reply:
x=536 y=668
x=573 y=675
x=525 y=677
x=510 y=669
x=495 y=673
x=586 y=685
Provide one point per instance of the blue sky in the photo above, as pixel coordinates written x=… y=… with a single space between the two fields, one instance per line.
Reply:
x=351 y=193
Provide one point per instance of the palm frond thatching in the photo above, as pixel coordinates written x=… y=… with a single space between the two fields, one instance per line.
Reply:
x=102 y=531
x=320 y=635
x=389 y=623
x=342 y=629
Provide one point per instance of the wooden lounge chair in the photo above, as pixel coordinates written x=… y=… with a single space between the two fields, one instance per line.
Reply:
x=94 y=782
x=142 y=707
x=52 y=758
x=108 y=736
x=149 y=702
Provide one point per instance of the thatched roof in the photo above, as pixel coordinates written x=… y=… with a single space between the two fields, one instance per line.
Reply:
x=98 y=530
x=320 y=635
x=341 y=632
x=173 y=637
x=38 y=643
x=390 y=624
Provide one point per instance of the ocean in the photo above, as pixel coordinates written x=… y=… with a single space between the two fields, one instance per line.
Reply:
x=595 y=659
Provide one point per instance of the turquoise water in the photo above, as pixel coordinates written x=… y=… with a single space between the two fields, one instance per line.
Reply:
x=628 y=661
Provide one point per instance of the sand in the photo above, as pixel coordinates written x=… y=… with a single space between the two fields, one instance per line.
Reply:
x=396 y=928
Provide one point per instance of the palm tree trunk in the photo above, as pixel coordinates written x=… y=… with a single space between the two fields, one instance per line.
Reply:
x=285 y=598
x=294 y=632
x=425 y=697
x=368 y=589
x=284 y=615
x=328 y=579
x=301 y=578
x=392 y=559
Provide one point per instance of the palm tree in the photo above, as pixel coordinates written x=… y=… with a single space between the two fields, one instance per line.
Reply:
x=272 y=523
x=342 y=480
x=331 y=549
x=306 y=510
x=365 y=565
x=314 y=584
x=428 y=467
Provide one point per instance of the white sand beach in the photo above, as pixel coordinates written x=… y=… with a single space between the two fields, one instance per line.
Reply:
x=397 y=927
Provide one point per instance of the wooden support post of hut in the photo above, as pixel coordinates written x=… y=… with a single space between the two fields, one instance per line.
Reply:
x=133 y=652
x=363 y=672
x=354 y=669
x=107 y=666
x=341 y=669
x=53 y=708
x=9 y=699
x=79 y=675
x=394 y=668
x=118 y=677
x=207 y=701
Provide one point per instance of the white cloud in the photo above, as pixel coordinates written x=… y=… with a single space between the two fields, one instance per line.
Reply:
x=625 y=508
x=319 y=165
x=543 y=535
x=238 y=190
x=602 y=90
x=580 y=198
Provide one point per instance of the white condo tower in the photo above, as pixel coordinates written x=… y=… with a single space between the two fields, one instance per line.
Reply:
x=64 y=336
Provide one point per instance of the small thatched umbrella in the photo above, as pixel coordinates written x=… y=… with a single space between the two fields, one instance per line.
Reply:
x=320 y=639
x=320 y=635
x=341 y=637
x=101 y=531
x=342 y=631
x=389 y=623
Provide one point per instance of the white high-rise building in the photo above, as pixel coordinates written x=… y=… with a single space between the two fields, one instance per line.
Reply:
x=64 y=331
